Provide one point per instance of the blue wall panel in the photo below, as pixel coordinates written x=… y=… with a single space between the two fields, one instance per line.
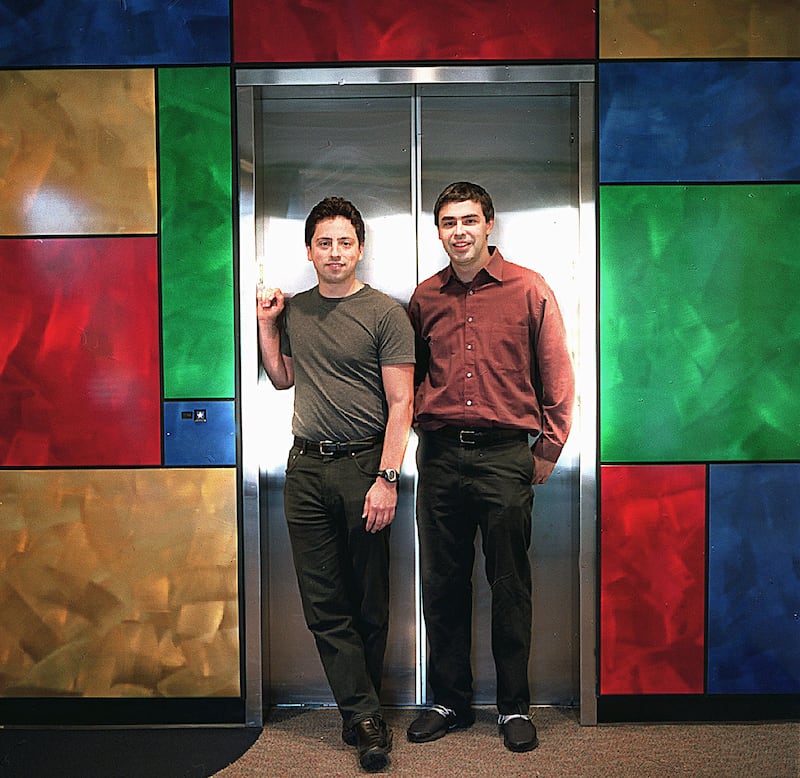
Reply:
x=199 y=432
x=699 y=121
x=754 y=579
x=114 y=32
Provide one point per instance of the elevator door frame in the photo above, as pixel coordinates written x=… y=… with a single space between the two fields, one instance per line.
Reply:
x=582 y=79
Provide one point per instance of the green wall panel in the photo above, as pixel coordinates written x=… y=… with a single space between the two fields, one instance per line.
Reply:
x=196 y=232
x=699 y=321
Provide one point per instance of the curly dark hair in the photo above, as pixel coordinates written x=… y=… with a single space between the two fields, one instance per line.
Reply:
x=330 y=208
x=461 y=191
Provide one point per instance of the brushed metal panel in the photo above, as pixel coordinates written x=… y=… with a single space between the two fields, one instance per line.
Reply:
x=708 y=29
x=119 y=583
x=256 y=676
x=585 y=436
x=358 y=148
x=477 y=76
x=552 y=228
x=79 y=152
x=523 y=149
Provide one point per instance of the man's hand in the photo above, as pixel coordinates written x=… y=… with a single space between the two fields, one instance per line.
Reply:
x=269 y=304
x=379 y=505
x=541 y=469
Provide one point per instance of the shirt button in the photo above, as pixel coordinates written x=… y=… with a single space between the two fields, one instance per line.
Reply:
x=469 y=319
x=469 y=347
x=472 y=291
x=469 y=375
x=469 y=402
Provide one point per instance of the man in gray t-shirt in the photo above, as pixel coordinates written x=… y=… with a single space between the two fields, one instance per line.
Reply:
x=349 y=352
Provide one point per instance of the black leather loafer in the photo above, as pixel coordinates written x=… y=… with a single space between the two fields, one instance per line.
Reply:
x=374 y=742
x=519 y=734
x=436 y=722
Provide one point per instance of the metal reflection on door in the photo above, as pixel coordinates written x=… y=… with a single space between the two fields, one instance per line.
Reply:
x=390 y=140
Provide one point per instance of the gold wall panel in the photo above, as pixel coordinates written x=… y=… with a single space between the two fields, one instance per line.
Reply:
x=119 y=583
x=634 y=29
x=77 y=152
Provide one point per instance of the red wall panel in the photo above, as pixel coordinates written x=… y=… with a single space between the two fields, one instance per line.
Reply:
x=384 y=31
x=80 y=381
x=652 y=579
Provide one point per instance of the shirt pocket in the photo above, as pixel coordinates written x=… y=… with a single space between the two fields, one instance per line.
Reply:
x=504 y=348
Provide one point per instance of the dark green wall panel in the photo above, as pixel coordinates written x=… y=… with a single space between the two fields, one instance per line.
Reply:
x=699 y=321
x=196 y=232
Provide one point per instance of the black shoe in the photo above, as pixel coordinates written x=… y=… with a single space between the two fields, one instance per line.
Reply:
x=436 y=722
x=349 y=736
x=374 y=741
x=519 y=734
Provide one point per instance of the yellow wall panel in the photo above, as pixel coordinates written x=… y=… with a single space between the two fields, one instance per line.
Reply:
x=705 y=28
x=77 y=152
x=119 y=583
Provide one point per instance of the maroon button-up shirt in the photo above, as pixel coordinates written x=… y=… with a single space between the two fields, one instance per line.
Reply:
x=493 y=353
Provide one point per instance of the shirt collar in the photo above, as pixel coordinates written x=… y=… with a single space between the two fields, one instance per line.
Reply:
x=493 y=269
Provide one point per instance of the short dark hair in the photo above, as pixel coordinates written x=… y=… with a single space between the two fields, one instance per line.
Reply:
x=461 y=191
x=330 y=208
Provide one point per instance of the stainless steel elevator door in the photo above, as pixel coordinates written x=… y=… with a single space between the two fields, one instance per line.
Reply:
x=391 y=149
x=519 y=143
x=357 y=147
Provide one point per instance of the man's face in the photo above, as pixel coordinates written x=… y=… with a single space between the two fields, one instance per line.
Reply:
x=464 y=233
x=335 y=251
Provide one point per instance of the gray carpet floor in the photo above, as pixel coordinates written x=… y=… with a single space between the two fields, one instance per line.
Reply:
x=306 y=742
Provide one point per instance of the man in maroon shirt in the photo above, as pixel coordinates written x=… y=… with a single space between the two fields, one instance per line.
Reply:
x=493 y=408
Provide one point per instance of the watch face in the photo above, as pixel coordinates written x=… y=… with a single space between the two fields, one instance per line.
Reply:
x=390 y=475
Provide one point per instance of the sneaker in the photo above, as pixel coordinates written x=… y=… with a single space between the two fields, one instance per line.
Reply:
x=518 y=732
x=436 y=722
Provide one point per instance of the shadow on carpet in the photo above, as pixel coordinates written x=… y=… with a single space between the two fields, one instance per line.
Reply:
x=123 y=753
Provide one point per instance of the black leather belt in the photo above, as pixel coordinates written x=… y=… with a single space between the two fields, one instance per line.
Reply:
x=333 y=448
x=488 y=436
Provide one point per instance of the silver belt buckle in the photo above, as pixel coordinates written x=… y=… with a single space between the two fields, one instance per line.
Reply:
x=327 y=452
x=469 y=440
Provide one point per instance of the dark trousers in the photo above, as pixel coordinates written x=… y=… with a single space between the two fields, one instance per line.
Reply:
x=342 y=571
x=460 y=489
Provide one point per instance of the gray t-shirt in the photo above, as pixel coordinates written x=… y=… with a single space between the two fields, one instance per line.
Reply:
x=338 y=346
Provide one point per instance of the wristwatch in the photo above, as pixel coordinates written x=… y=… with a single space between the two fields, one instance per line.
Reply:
x=390 y=474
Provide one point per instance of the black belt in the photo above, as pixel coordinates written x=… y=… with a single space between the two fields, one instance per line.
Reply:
x=487 y=436
x=333 y=448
